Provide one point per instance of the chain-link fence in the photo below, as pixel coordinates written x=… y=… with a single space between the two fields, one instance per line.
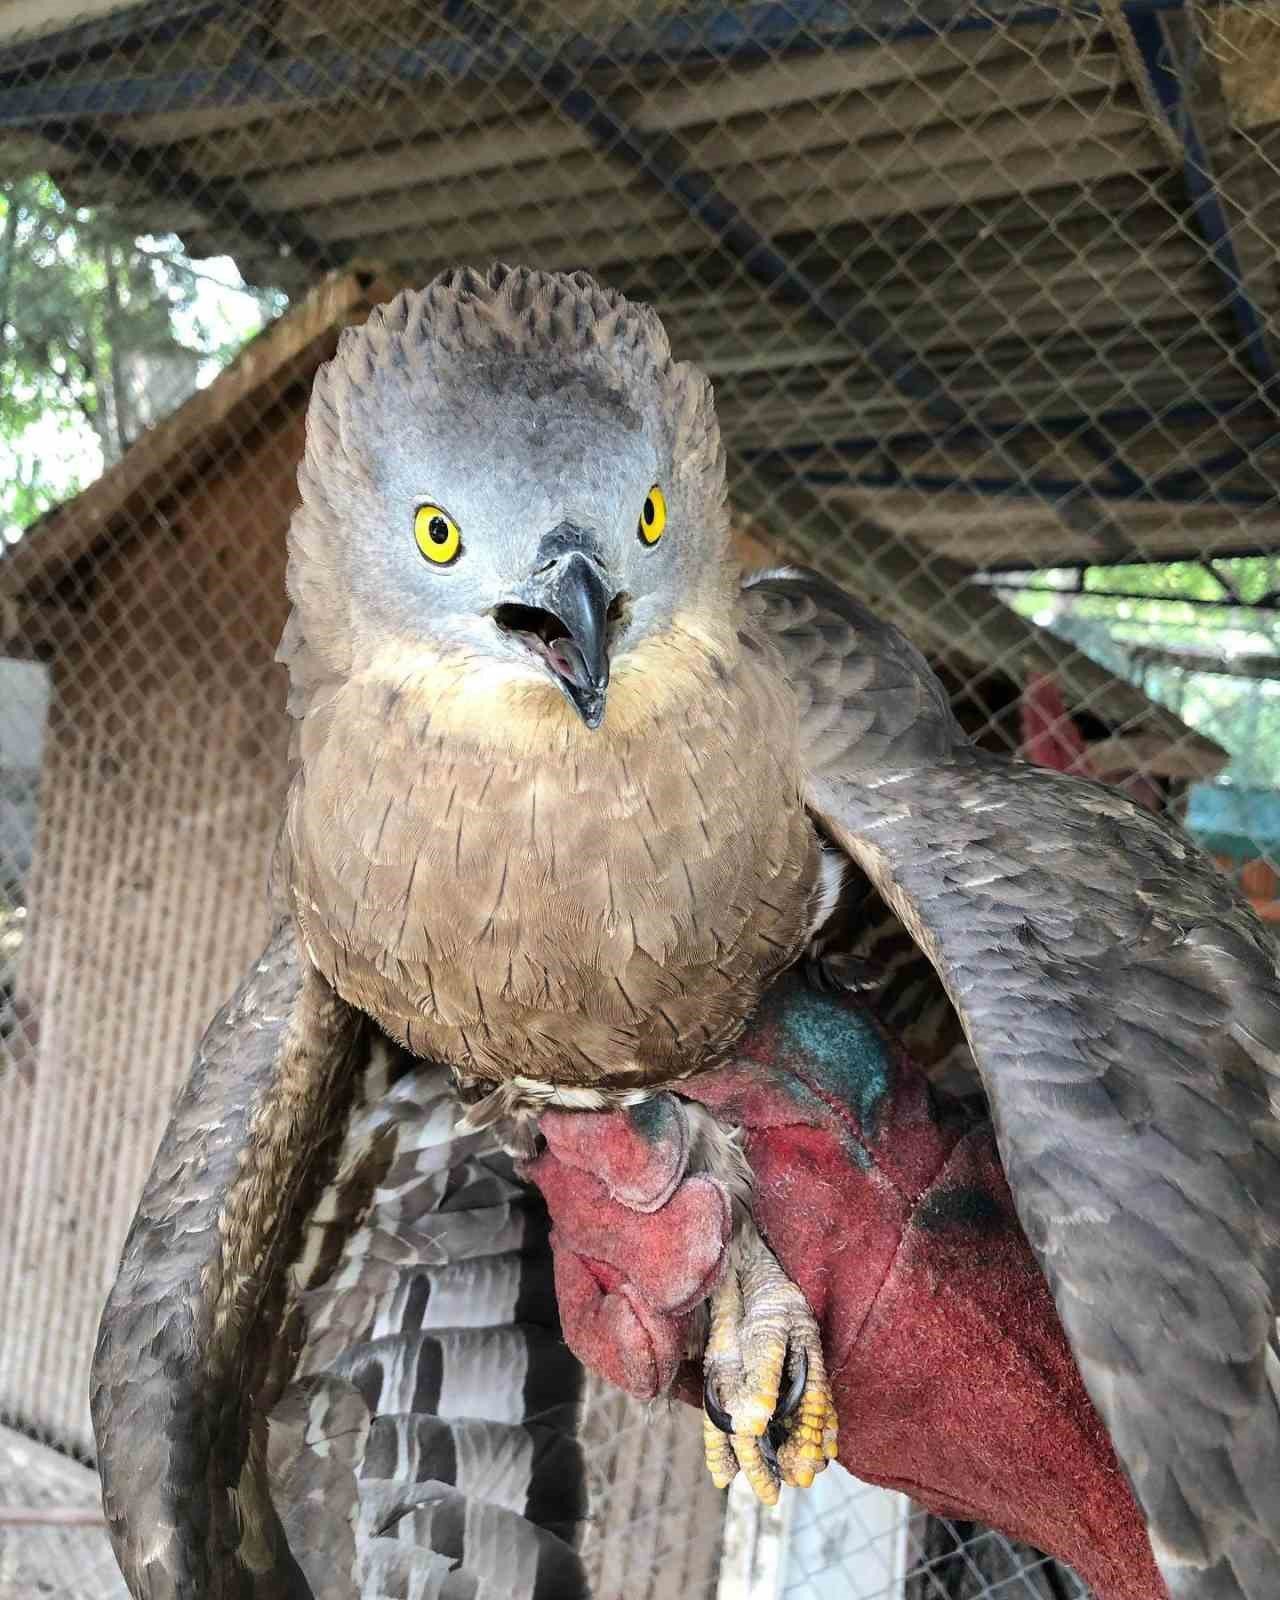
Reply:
x=988 y=294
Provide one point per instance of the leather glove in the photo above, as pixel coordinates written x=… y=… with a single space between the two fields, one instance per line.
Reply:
x=889 y=1209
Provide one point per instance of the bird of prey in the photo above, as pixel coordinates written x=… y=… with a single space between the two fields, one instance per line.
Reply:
x=567 y=796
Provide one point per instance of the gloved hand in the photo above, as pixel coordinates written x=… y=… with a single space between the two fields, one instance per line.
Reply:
x=951 y=1374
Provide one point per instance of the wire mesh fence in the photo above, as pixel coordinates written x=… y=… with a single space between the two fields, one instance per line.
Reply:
x=988 y=294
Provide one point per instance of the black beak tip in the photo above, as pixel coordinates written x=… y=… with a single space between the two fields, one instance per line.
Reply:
x=563 y=613
x=590 y=707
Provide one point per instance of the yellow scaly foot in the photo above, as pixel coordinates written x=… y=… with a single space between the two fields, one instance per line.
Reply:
x=768 y=1405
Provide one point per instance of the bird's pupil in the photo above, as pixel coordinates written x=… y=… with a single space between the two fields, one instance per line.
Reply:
x=438 y=530
x=649 y=512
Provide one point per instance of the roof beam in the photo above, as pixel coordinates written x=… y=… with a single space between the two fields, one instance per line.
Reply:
x=1224 y=461
x=164 y=180
x=1171 y=52
x=1190 y=485
x=659 y=159
x=743 y=33
x=149 y=22
x=1126 y=418
x=1029 y=485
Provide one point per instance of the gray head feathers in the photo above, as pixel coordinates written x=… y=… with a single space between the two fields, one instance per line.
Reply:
x=509 y=315
x=514 y=398
x=509 y=311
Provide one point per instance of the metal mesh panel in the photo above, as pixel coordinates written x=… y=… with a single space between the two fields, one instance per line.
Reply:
x=988 y=295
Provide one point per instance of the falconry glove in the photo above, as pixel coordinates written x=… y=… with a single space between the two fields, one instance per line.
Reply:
x=890 y=1211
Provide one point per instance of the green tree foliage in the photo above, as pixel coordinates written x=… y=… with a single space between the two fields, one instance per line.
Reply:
x=98 y=328
x=1126 y=617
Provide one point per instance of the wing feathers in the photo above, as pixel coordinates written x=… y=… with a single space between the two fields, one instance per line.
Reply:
x=1123 y=1008
x=392 y=1354
x=502 y=1553
x=440 y=1317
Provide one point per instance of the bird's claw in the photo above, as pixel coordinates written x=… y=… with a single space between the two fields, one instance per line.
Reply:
x=768 y=1407
x=845 y=974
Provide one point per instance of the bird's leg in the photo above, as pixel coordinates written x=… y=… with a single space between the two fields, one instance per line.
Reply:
x=768 y=1404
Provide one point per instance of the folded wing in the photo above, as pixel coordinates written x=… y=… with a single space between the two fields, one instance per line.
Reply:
x=1123 y=1007
x=331 y=1364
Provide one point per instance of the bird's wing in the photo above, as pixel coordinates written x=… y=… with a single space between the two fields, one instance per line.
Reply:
x=1123 y=1008
x=331 y=1365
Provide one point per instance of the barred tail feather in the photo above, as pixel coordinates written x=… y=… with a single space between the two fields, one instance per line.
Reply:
x=433 y=1376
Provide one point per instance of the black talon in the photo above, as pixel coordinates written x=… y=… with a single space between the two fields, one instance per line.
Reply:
x=776 y=1434
x=795 y=1393
x=720 y=1418
x=777 y=1431
x=845 y=974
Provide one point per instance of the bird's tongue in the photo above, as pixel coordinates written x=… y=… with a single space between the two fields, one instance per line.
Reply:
x=569 y=662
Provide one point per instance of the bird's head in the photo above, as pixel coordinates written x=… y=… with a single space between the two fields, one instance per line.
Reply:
x=512 y=490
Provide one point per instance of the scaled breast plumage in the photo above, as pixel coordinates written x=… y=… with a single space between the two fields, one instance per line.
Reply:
x=602 y=913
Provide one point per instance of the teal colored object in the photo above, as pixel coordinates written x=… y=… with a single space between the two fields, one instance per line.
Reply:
x=843 y=1047
x=832 y=1045
x=1235 y=821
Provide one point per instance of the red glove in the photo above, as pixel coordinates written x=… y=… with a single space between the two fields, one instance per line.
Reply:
x=951 y=1373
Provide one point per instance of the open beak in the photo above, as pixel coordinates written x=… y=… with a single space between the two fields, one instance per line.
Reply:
x=562 y=615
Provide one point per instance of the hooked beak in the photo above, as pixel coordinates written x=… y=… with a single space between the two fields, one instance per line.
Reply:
x=562 y=615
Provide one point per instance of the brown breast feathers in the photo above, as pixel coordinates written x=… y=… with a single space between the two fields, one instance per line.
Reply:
x=506 y=891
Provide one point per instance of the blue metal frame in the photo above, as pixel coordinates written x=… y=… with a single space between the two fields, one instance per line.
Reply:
x=749 y=32
x=1202 y=191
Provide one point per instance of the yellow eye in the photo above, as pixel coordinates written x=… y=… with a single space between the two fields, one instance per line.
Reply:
x=653 y=516
x=439 y=536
